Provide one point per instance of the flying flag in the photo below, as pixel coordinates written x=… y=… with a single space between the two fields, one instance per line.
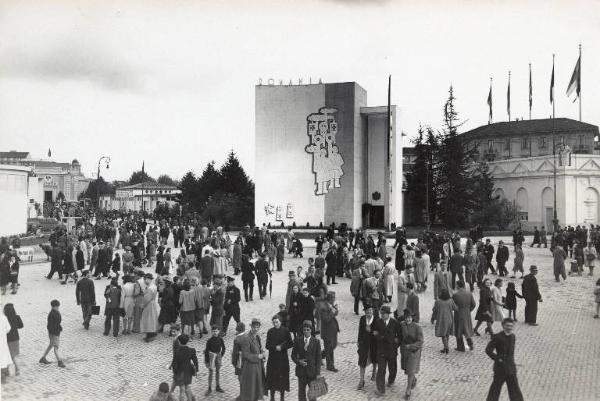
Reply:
x=552 y=83
x=575 y=82
x=489 y=102
x=49 y=153
x=530 y=91
x=508 y=97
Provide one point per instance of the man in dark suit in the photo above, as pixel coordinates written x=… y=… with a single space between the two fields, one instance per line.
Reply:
x=488 y=251
x=502 y=350
x=387 y=333
x=85 y=294
x=306 y=354
x=502 y=258
x=456 y=267
x=232 y=304
x=531 y=294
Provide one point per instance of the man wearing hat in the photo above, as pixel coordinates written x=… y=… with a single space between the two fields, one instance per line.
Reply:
x=86 y=297
x=387 y=335
x=488 y=251
x=502 y=258
x=232 y=304
x=531 y=294
x=252 y=373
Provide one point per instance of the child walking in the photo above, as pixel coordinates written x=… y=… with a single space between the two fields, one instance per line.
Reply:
x=597 y=294
x=511 y=300
x=54 y=329
x=213 y=353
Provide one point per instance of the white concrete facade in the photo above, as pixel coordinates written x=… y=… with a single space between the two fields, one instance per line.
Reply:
x=529 y=182
x=130 y=198
x=13 y=199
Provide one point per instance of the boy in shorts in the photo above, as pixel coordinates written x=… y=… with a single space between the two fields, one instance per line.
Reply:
x=54 y=329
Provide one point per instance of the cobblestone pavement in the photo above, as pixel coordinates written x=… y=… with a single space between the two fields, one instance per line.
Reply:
x=558 y=360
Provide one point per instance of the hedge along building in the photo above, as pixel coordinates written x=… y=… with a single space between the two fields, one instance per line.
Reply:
x=521 y=161
x=323 y=156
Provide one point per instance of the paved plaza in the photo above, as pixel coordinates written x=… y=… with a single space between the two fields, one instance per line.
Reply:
x=558 y=360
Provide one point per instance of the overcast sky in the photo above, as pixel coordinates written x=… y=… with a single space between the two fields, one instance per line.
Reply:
x=172 y=82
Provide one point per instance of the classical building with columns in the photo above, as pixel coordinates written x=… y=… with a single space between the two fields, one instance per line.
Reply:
x=521 y=160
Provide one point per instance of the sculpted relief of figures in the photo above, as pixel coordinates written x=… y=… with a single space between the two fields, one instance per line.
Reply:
x=327 y=163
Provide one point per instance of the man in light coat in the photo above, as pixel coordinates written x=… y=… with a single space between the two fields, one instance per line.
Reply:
x=463 y=324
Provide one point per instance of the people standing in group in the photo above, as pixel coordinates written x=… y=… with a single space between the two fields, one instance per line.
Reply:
x=12 y=337
x=501 y=349
x=306 y=354
x=54 y=330
x=410 y=350
x=463 y=325
x=531 y=294
x=278 y=342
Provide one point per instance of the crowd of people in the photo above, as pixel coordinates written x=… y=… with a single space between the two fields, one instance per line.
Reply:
x=190 y=289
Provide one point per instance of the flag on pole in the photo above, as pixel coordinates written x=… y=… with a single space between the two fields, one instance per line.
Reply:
x=575 y=82
x=143 y=171
x=552 y=84
x=389 y=119
x=489 y=102
x=49 y=153
x=508 y=97
x=530 y=90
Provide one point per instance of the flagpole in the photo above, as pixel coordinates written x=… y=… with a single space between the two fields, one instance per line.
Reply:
x=508 y=95
x=579 y=83
x=530 y=89
x=555 y=221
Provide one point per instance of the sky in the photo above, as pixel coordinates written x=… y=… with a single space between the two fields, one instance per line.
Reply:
x=171 y=83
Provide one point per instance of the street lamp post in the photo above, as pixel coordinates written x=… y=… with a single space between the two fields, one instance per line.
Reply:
x=107 y=161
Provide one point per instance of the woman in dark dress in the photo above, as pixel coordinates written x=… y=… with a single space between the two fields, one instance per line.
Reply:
x=367 y=345
x=295 y=311
x=484 y=311
x=410 y=350
x=399 y=258
x=160 y=261
x=168 y=311
x=68 y=268
x=279 y=341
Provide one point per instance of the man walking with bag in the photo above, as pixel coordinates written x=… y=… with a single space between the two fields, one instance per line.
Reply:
x=85 y=294
x=306 y=354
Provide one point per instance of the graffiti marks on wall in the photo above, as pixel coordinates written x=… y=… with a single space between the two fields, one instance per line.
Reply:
x=322 y=128
x=277 y=210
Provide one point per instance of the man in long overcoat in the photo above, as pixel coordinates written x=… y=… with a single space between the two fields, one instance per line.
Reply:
x=463 y=324
x=531 y=294
x=252 y=376
x=329 y=328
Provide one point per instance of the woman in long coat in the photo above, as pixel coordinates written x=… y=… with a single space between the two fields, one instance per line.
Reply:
x=367 y=345
x=278 y=342
x=443 y=317
x=497 y=304
x=252 y=375
x=484 y=310
x=168 y=312
x=236 y=257
x=420 y=272
x=402 y=290
x=149 y=320
x=518 y=263
x=388 y=279
x=410 y=350
x=295 y=311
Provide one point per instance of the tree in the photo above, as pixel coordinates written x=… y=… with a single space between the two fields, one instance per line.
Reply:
x=483 y=187
x=420 y=183
x=95 y=188
x=209 y=182
x=189 y=191
x=454 y=185
x=137 y=177
x=233 y=176
x=166 y=180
